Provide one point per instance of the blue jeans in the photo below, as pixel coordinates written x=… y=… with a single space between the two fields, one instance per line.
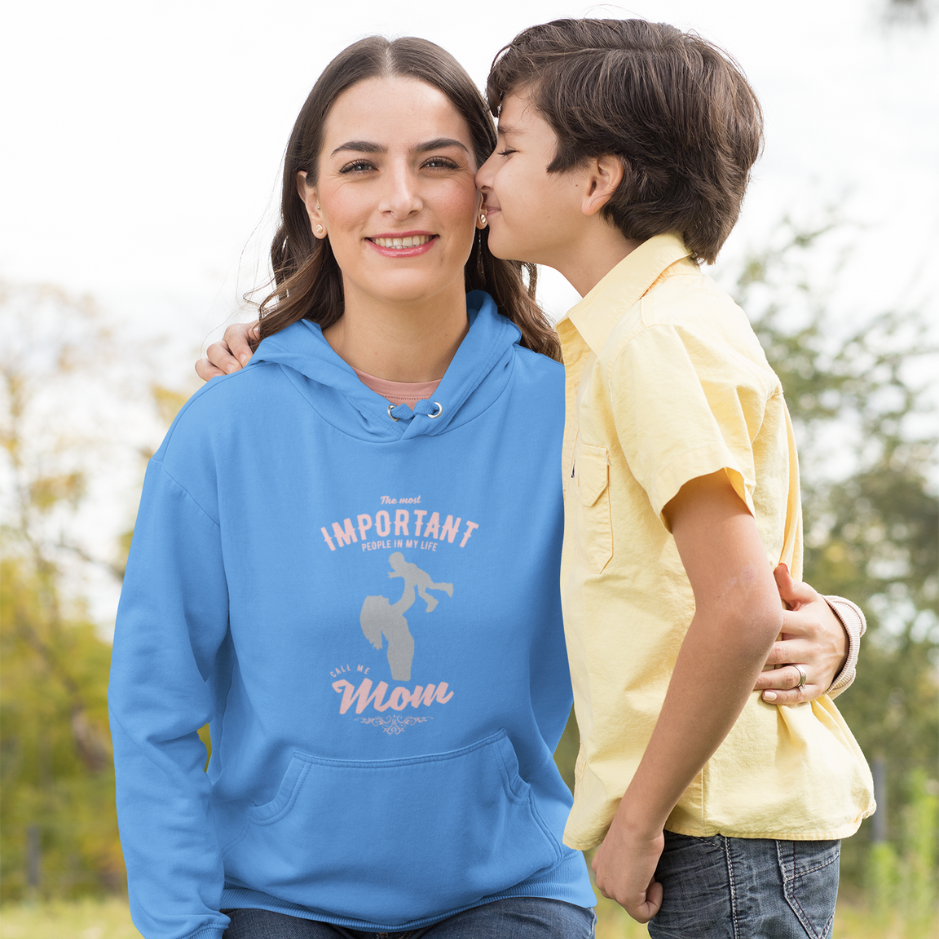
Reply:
x=514 y=918
x=746 y=888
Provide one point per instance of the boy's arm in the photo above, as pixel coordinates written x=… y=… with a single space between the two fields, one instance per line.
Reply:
x=737 y=617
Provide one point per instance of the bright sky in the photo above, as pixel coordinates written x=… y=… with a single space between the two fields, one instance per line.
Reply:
x=143 y=140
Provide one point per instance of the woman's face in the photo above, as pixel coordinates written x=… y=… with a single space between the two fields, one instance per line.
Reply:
x=396 y=194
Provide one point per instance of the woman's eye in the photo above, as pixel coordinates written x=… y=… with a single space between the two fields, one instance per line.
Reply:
x=440 y=163
x=506 y=152
x=357 y=166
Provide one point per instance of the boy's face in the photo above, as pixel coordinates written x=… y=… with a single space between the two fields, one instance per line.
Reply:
x=533 y=215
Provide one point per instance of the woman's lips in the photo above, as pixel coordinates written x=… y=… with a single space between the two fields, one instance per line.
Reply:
x=403 y=245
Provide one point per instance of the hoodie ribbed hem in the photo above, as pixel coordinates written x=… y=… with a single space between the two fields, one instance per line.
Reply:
x=209 y=932
x=565 y=881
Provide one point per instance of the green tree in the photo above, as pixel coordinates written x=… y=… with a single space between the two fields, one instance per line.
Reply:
x=57 y=781
x=57 y=777
x=73 y=415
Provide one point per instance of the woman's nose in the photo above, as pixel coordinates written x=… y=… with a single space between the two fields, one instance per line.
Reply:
x=402 y=196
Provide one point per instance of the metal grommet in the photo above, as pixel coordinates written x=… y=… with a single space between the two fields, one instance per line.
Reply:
x=434 y=417
x=390 y=406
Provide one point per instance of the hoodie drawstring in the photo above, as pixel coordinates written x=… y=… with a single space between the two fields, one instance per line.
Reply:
x=401 y=412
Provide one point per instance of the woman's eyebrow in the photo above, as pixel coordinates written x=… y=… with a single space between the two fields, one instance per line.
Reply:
x=368 y=146
x=504 y=129
x=360 y=146
x=439 y=143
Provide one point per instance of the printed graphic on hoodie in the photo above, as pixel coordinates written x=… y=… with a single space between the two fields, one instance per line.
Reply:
x=379 y=617
x=399 y=627
x=380 y=620
x=410 y=528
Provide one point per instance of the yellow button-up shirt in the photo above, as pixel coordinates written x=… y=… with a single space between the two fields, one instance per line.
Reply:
x=666 y=381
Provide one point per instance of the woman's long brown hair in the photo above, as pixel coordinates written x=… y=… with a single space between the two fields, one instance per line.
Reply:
x=307 y=281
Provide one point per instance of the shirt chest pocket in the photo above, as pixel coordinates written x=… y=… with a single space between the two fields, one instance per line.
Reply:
x=592 y=478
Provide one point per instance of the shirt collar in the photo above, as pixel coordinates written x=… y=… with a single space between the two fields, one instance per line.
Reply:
x=598 y=313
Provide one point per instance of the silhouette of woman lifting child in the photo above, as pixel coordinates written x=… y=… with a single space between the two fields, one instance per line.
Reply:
x=380 y=617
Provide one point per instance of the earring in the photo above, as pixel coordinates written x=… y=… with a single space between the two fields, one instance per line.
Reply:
x=319 y=231
x=482 y=219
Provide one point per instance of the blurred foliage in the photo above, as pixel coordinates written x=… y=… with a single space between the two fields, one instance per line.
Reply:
x=82 y=919
x=56 y=771
x=865 y=426
x=907 y=881
x=110 y=919
x=909 y=12
x=60 y=384
x=168 y=401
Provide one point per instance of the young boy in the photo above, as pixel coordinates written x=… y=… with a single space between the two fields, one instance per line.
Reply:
x=624 y=153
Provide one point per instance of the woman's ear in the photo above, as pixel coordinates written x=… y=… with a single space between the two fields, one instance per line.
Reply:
x=309 y=198
x=604 y=174
x=480 y=210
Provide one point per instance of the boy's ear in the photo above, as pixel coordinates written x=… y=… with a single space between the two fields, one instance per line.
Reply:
x=604 y=174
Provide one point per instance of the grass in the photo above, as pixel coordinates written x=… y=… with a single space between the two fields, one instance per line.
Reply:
x=613 y=922
x=85 y=919
x=110 y=919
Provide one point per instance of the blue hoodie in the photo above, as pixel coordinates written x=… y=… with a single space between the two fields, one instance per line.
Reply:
x=363 y=603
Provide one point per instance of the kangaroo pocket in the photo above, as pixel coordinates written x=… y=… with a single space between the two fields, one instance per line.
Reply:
x=394 y=841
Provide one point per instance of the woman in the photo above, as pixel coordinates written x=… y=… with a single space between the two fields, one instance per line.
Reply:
x=359 y=594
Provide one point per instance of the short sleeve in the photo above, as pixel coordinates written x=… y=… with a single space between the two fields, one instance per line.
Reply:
x=684 y=408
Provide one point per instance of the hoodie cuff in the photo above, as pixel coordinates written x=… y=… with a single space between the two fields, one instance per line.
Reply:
x=208 y=932
x=852 y=618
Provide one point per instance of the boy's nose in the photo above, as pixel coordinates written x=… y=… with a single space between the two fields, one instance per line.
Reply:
x=483 y=177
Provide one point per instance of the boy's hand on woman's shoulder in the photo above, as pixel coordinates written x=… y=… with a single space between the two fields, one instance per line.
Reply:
x=230 y=353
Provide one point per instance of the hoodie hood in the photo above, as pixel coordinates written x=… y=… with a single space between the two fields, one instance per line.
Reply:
x=476 y=377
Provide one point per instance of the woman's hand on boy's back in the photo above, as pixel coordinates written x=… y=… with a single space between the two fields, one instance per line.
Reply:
x=813 y=637
x=230 y=353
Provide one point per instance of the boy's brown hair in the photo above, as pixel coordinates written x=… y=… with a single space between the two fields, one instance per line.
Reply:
x=675 y=108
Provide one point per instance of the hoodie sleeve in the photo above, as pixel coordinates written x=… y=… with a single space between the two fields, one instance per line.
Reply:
x=172 y=618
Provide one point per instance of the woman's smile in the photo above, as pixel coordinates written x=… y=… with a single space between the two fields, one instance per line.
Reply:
x=403 y=244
